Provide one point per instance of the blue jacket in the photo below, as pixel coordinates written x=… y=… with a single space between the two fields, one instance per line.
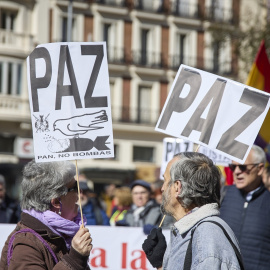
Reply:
x=210 y=247
x=95 y=215
x=250 y=222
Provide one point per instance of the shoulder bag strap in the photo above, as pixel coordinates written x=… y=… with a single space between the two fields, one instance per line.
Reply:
x=188 y=257
x=10 y=244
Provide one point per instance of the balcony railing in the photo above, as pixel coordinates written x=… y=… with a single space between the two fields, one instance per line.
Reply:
x=147 y=59
x=154 y=60
x=149 y=5
x=119 y=3
x=14 y=107
x=115 y=55
x=184 y=9
x=12 y=40
x=218 y=67
x=135 y=115
x=210 y=65
x=218 y=14
x=176 y=60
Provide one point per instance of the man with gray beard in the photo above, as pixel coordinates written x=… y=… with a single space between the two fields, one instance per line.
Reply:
x=199 y=238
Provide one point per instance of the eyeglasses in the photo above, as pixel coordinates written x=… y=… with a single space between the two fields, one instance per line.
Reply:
x=243 y=167
x=140 y=193
x=74 y=188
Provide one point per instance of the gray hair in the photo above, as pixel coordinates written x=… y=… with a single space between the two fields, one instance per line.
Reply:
x=258 y=154
x=199 y=177
x=2 y=181
x=43 y=182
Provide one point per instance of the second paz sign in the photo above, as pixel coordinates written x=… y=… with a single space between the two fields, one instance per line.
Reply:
x=69 y=96
x=213 y=111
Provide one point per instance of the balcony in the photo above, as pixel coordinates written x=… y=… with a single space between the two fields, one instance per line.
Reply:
x=176 y=60
x=209 y=65
x=135 y=115
x=149 y=5
x=146 y=59
x=117 y=3
x=115 y=55
x=13 y=108
x=219 y=15
x=220 y=68
x=12 y=41
x=184 y=9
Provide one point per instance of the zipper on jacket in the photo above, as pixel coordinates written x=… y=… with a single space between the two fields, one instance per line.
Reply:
x=243 y=219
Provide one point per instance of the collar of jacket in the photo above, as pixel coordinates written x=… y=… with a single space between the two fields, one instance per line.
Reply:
x=37 y=226
x=187 y=222
x=256 y=193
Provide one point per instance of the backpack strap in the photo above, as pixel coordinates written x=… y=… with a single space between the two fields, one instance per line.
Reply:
x=188 y=257
x=10 y=244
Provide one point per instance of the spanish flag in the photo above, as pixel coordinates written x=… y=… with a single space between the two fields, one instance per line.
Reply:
x=259 y=77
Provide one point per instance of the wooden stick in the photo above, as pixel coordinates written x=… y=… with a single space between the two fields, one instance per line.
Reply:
x=198 y=147
x=79 y=192
x=162 y=221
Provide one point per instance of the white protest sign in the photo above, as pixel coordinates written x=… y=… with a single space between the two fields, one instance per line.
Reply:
x=217 y=158
x=171 y=147
x=69 y=95
x=213 y=111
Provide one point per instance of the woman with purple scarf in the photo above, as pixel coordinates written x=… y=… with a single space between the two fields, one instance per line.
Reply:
x=50 y=234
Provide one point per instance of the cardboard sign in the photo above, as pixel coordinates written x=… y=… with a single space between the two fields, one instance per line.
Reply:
x=213 y=111
x=172 y=147
x=217 y=158
x=69 y=97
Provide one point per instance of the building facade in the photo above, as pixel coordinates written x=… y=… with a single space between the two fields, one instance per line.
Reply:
x=147 y=40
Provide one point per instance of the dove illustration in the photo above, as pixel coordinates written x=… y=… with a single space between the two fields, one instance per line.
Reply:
x=80 y=124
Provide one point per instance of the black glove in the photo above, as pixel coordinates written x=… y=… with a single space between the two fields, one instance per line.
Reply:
x=154 y=247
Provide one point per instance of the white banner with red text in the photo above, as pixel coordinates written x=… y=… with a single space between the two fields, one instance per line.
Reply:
x=114 y=248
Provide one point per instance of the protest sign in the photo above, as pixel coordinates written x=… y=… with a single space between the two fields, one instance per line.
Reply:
x=69 y=97
x=217 y=158
x=171 y=147
x=213 y=111
x=115 y=248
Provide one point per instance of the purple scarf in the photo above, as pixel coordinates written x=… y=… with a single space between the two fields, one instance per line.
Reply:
x=61 y=226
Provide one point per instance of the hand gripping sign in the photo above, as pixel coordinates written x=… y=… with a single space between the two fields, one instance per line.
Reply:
x=69 y=96
x=213 y=111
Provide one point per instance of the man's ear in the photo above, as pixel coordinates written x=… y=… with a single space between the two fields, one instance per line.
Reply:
x=261 y=171
x=56 y=203
x=177 y=187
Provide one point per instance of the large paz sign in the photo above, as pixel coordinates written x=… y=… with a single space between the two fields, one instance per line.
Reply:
x=213 y=111
x=69 y=96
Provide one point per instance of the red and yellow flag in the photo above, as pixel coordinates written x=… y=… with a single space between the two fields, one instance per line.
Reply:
x=259 y=77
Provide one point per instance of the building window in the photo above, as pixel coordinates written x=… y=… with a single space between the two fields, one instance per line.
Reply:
x=216 y=47
x=6 y=144
x=217 y=9
x=143 y=154
x=10 y=78
x=144 y=44
x=7 y=19
x=65 y=29
x=144 y=105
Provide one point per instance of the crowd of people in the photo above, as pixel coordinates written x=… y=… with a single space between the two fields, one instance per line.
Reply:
x=208 y=231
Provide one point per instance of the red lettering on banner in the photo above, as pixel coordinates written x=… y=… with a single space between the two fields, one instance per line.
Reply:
x=26 y=147
x=140 y=261
x=124 y=255
x=100 y=259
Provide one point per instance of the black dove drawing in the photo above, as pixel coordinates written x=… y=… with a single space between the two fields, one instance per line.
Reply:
x=81 y=124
